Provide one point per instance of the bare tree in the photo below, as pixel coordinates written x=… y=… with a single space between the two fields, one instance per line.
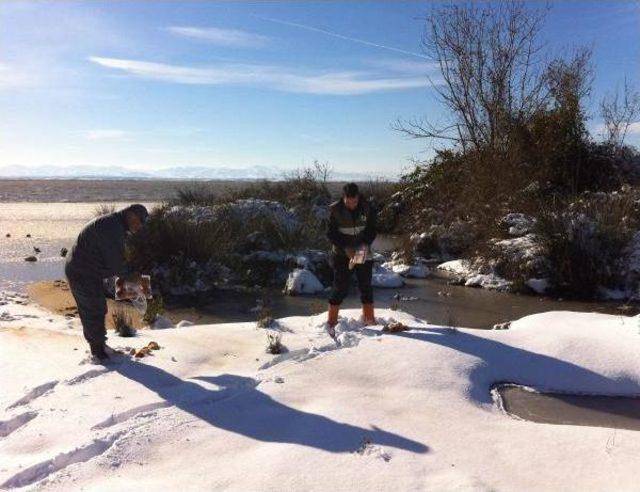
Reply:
x=492 y=75
x=569 y=81
x=323 y=170
x=318 y=171
x=618 y=112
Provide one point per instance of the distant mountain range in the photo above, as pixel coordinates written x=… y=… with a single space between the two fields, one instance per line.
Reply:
x=250 y=173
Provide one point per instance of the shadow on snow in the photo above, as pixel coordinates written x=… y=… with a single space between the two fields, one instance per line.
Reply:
x=254 y=414
x=520 y=366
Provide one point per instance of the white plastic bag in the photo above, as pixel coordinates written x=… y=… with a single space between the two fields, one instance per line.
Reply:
x=140 y=304
x=136 y=292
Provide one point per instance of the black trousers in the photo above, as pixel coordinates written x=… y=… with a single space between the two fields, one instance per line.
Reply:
x=342 y=277
x=92 y=307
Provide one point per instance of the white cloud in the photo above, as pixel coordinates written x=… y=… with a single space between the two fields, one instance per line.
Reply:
x=405 y=66
x=274 y=77
x=634 y=128
x=106 y=134
x=222 y=37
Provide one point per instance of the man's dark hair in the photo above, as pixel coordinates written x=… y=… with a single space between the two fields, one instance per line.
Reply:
x=139 y=210
x=351 y=190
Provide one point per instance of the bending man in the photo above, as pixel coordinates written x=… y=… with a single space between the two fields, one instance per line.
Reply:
x=352 y=229
x=98 y=253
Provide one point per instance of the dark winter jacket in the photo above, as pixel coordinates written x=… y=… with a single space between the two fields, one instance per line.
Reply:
x=351 y=228
x=99 y=251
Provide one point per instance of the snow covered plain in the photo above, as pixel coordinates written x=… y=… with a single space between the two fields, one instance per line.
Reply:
x=406 y=411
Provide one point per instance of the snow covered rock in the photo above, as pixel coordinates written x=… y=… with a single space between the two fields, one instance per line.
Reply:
x=184 y=323
x=302 y=281
x=162 y=323
x=386 y=279
x=518 y=224
x=607 y=294
x=472 y=277
x=417 y=270
x=538 y=285
x=459 y=267
x=488 y=281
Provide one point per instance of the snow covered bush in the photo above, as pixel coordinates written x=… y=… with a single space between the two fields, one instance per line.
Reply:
x=590 y=243
x=520 y=259
x=446 y=240
x=517 y=224
x=193 y=248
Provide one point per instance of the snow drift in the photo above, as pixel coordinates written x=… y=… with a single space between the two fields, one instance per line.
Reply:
x=405 y=411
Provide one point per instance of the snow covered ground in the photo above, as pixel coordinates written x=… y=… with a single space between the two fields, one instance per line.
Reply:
x=406 y=411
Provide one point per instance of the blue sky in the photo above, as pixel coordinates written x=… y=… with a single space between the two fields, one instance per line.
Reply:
x=161 y=84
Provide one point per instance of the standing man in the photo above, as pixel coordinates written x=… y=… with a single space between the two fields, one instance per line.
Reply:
x=352 y=229
x=98 y=253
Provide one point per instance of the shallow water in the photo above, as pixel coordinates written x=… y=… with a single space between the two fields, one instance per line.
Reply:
x=437 y=302
x=593 y=411
x=51 y=226
x=55 y=225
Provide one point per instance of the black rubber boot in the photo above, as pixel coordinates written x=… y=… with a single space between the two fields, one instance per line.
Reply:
x=98 y=351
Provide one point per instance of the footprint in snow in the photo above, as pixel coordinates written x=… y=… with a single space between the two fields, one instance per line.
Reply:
x=86 y=376
x=36 y=392
x=13 y=424
x=45 y=469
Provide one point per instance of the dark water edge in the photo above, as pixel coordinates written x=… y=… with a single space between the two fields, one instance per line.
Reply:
x=615 y=412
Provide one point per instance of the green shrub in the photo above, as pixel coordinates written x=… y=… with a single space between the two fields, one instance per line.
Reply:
x=155 y=308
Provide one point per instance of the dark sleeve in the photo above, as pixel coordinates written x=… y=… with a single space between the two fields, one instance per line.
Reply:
x=369 y=234
x=112 y=245
x=333 y=234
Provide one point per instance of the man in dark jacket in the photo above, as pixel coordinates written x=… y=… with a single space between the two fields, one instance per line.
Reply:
x=352 y=229
x=99 y=253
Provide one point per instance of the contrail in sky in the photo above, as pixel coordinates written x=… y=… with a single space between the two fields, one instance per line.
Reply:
x=341 y=36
